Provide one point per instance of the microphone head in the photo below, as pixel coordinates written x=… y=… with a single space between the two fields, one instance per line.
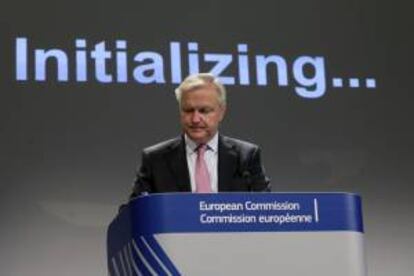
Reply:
x=245 y=174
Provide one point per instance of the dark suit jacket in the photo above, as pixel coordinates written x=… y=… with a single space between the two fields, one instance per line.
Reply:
x=164 y=168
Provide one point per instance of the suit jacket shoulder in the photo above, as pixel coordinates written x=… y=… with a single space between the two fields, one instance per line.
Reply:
x=162 y=147
x=238 y=144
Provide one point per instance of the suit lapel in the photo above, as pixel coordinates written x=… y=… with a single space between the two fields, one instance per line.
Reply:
x=227 y=164
x=177 y=161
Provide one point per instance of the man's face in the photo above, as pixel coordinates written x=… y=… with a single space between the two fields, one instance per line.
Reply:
x=201 y=113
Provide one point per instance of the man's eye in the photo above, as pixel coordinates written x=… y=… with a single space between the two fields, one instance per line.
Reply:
x=205 y=110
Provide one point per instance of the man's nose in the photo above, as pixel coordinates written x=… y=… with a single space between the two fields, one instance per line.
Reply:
x=196 y=117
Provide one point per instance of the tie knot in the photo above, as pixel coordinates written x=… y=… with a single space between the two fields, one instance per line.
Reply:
x=201 y=149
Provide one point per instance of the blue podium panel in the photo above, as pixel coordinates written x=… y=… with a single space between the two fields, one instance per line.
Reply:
x=238 y=234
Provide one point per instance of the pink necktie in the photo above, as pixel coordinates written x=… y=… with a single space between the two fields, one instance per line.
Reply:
x=202 y=177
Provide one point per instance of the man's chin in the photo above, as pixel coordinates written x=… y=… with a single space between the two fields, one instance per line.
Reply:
x=198 y=137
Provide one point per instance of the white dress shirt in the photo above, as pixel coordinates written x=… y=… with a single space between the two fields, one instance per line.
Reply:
x=210 y=156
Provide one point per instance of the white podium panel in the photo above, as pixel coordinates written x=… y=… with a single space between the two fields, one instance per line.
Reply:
x=322 y=253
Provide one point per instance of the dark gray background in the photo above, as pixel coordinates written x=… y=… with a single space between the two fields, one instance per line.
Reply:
x=68 y=152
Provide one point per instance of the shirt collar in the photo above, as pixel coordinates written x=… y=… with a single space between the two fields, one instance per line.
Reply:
x=211 y=145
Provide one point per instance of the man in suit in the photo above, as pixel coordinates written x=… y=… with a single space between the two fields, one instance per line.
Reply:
x=201 y=159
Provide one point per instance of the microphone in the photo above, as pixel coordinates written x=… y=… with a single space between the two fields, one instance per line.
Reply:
x=254 y=182
x=247 y=178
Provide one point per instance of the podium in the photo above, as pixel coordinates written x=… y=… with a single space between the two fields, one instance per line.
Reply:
x=288 y=234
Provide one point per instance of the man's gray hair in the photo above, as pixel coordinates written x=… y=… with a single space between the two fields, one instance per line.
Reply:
x=201 y=80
